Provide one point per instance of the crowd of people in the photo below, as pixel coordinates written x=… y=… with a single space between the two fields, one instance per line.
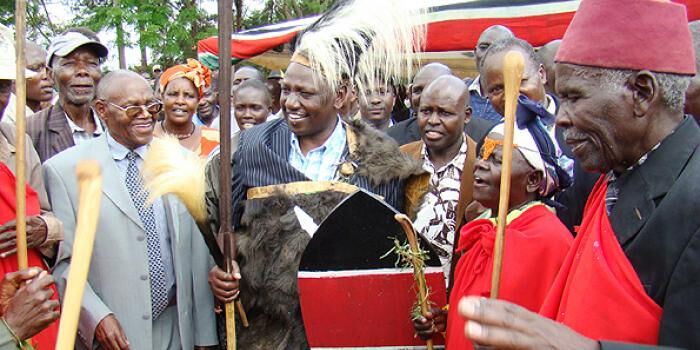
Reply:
x=602 y=242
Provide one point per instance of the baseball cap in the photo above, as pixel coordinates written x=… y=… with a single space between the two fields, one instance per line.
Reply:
x=67 y=42
x=8 y=63
x=275 y=74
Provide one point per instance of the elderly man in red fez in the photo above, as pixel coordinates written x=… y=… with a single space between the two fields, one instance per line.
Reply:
x=631 y=276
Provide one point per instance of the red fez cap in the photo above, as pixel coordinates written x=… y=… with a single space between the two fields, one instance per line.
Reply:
x=630 y=34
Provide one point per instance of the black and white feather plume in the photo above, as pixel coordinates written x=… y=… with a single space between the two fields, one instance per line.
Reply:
x=367 y=40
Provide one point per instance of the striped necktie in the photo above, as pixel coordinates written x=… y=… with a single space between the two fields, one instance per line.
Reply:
x=611 y=194
x=159 y=293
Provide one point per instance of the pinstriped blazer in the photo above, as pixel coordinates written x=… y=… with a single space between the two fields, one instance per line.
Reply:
x=262 y=160
x=50 y=131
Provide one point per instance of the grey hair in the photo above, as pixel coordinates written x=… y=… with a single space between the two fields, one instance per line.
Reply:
x=671 y=86
x=509 y=43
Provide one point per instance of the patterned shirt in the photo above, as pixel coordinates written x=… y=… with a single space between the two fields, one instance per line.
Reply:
x=320 y=163
x=436 y=218
x=79 y=134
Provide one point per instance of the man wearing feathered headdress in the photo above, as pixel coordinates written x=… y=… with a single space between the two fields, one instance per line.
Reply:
x=312 y=159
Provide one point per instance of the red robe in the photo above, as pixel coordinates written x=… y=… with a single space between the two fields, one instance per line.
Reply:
x=598 y=292
x=536 y=243
x=46 y=339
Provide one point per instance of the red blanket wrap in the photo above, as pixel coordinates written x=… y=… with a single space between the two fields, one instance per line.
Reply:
x=46 y=339
x=536 y=243
x=597 y=292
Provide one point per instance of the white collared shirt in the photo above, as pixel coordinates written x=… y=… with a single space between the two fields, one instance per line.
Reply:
x=476 y=86
x=79 y=134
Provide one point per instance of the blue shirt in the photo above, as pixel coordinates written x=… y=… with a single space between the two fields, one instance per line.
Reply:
x=197 y=121
x=320 y=163
x=119 y=153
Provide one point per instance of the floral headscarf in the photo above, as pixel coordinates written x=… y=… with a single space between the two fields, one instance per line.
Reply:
x=199 y=74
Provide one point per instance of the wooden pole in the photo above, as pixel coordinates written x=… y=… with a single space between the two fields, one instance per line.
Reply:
x=20 y=154
x=513 y=64
x=225 y=210
x=90 y=185
x=418 y=273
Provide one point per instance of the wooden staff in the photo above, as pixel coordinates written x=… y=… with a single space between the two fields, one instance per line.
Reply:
x=513 y=64
x=90 y=185
x=417 y=263
x=225 y=210
x=20 y=156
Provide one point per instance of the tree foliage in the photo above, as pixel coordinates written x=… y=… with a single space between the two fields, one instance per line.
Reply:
x=170 y=28
x=39 y=23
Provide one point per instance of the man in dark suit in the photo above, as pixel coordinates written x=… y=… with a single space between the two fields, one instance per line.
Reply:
x=74 y=57
x=632 y=273
x=407 y=130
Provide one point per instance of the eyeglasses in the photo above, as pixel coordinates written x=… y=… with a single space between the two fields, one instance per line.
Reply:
x=134 y=110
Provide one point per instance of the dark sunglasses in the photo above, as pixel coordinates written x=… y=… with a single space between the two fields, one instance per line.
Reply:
x=134 y=110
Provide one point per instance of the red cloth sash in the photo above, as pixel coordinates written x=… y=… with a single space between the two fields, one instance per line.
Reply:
x=46 y=339
x=597 y=291
x=536 y=243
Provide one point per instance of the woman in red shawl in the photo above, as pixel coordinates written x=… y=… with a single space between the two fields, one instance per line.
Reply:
x=181 y=87
x=536 y=242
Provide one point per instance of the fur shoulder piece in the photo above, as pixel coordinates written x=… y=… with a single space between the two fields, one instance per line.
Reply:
x=414 y=149
x=378 y=156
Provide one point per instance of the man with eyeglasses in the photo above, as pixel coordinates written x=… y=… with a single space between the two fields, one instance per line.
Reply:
x=147 y=287
x=39 y=86
x=74 y=58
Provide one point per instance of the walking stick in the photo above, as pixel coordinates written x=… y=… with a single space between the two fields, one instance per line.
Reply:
x=90 y=185
x=513 y=64
x=225 y=210
x=20 y=154
x=418 y=273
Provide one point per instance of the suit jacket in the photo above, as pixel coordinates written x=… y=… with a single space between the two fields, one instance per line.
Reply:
x=407 y=130
x=262 y=160
x=657 y=224
x=418 y=185
x=118 y=281
x=50 y=131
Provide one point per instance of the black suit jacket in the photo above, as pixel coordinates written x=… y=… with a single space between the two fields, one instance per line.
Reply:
x=656 y=220
x=407 y=130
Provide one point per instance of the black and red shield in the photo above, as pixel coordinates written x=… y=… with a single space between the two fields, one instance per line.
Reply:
x=351 y=297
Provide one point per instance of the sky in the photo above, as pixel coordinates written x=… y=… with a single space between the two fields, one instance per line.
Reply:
x=62 y=14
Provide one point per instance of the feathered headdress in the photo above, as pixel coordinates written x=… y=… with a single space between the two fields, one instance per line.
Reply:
x=364 y=40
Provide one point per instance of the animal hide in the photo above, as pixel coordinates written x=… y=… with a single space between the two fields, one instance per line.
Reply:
x=378 y=156
x=270 y=249
x=270 y=244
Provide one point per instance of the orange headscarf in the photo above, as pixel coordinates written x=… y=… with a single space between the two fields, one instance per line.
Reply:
x=199 y=74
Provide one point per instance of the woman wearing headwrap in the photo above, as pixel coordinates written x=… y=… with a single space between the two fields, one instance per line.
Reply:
x=181 y=87
x=536 y=242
